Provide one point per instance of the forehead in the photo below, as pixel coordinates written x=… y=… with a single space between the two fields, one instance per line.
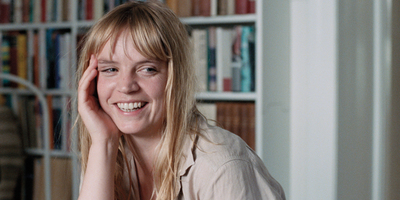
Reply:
x=121 y=45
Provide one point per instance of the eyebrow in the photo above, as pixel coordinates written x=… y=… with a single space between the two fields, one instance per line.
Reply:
x=102 y=61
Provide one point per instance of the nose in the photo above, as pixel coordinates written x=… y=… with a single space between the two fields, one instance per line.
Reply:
x=127 y=84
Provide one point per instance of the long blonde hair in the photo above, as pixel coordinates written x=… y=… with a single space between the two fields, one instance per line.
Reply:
x=157 y=33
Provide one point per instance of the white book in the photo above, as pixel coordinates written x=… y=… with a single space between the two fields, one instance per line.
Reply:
x=37 y=11
x=224 y=58
x=17 y=11
x=199 y=38
x=98 y=9
x=214 y=7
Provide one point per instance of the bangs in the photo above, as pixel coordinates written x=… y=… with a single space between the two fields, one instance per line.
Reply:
x=140 y=25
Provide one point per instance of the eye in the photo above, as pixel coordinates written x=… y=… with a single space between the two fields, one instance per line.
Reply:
x=109 y=70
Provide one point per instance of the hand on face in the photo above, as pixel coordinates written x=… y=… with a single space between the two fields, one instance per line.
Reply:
x=99 y=124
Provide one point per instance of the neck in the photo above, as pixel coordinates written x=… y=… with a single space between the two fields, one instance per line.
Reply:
x=144 y=150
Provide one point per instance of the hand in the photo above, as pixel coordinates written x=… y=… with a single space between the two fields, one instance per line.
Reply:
x=99 y=124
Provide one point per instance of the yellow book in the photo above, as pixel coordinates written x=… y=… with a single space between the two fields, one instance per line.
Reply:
x=22 y=57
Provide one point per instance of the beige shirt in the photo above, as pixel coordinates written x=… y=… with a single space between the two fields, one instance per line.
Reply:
x=224 y=167
x=219 y=165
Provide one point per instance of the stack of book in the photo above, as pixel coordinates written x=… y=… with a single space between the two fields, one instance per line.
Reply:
x=236 y=117
x=34 y=11
x=188 y=8
x=20 y=56
x=31 y=121
x=224 y=58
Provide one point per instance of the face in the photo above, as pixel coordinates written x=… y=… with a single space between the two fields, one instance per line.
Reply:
x=131 y=88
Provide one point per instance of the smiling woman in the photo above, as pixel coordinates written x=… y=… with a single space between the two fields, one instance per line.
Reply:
x=141 y=134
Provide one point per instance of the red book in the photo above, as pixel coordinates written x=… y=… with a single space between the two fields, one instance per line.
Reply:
x=89 y=9
x=196 y=7
x=205 y=7
x=4 y=11
x=241 y=6
x=43 y=6
x=251 y=6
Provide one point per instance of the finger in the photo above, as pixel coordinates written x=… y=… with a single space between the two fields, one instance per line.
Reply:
x=87 y=85
x=92 y=65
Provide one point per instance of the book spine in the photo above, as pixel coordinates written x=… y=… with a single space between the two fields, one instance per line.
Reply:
x=205 y=8
x=200 y=45
x=22 y=57
x=241 y=6
x=5 y=58
x=89 y=9
x=196 y=7
x=224 y=55
x=184 y=8
x=222 y=7
x=236 y=60
x=245 y=54
x=13 y=57
x=212 y=71
x=98 y=9
x=251 y=6
x=43 y=11
x=17 y=11
x=5 y=7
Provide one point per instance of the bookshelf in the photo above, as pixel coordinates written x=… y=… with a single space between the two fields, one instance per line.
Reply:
x=74 y=26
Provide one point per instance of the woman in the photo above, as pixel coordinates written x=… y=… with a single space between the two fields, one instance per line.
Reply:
x=141 y=134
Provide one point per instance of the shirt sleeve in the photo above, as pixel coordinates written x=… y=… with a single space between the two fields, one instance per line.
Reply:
x=238 y=179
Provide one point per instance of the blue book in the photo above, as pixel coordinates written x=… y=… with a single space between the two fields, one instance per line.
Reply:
x=246 y=70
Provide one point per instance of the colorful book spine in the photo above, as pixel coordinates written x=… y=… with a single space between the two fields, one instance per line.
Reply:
x=245 y=54
x=5 y=58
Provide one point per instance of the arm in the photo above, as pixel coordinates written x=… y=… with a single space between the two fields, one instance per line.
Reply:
x=98 y=181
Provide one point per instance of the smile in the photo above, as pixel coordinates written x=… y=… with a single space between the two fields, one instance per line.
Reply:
x=129 y=107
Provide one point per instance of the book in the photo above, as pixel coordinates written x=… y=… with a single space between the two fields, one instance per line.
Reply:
x=236 y=60
x=56 y=109
x=89 y=9
x=246 y=69
x=182 y=8
x=241 y=6
x=236 y=117
x=212 y=71
x=224 y=59
x=5 y=7
x=231 y=7
x=251 y=6
x=17 y=11
x=43 y=12
x=61 y=179
x=5 y=58
x=200 y=52
x=22 y=57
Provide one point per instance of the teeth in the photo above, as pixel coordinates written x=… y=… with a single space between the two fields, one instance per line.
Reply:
x=129 y=107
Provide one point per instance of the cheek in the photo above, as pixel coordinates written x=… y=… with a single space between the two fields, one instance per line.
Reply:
x=103 y=89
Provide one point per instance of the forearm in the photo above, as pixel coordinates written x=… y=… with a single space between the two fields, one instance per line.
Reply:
x=98 y=181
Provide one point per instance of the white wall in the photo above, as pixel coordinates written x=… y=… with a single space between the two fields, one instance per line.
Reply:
x=313 y=99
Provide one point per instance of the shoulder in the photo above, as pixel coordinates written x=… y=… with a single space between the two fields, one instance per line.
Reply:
x=217 y=147
x=224 y=164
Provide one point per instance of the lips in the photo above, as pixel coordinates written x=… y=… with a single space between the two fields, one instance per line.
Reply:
x=129 y=107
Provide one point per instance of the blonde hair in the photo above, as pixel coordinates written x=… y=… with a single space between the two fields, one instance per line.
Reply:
x=158 y=34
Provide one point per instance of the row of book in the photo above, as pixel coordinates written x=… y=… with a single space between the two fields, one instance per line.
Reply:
x=21 y=56
x=33 y=184
x=32 y=125
x=188 y=8
x=236 y=117
x=224 y=58
x=34 y=11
